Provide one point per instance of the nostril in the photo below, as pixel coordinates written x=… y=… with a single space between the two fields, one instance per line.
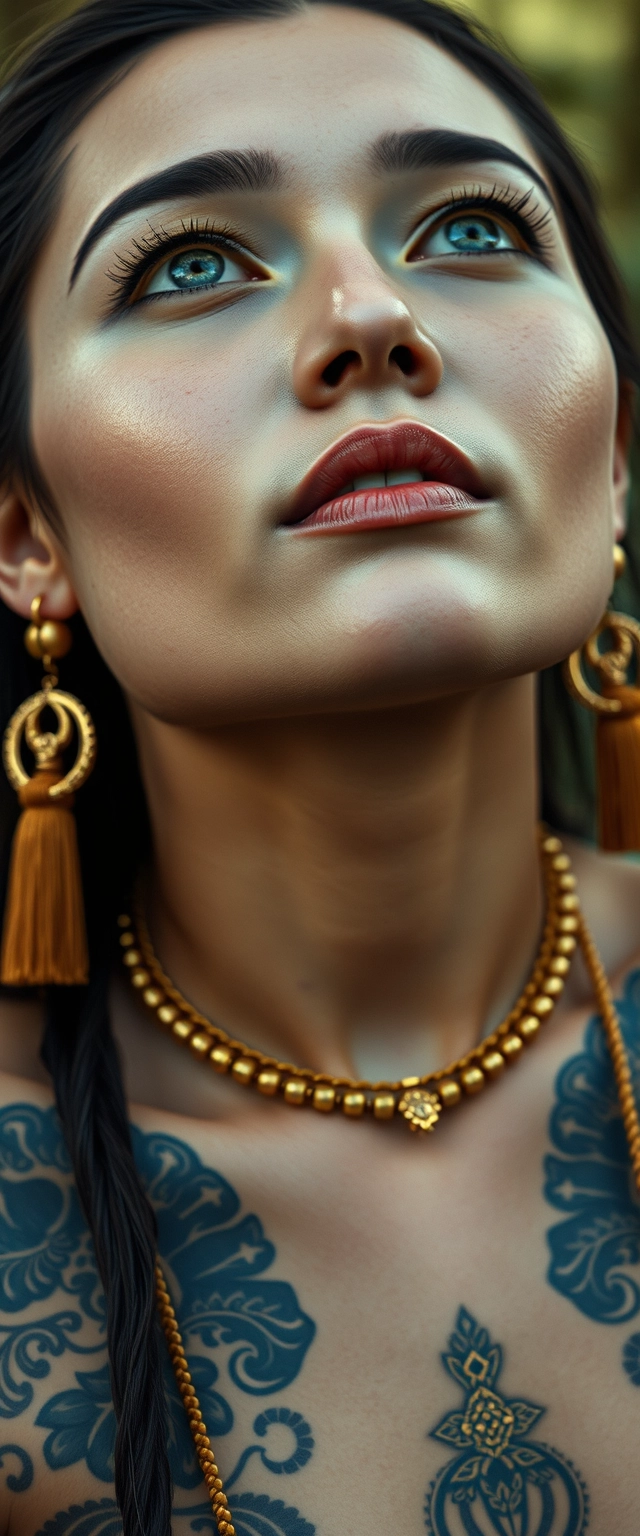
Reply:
x=335 y=371
x=404 y=360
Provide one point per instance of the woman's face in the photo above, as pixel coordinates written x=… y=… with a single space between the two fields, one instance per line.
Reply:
x=315 y=274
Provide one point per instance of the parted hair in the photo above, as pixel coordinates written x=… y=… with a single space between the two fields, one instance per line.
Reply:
x=46 y=93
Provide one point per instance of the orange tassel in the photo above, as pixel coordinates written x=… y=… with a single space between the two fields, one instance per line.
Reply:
x=44 y=939
x=618 y=766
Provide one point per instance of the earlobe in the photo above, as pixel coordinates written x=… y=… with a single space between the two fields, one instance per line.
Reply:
x=31 y=562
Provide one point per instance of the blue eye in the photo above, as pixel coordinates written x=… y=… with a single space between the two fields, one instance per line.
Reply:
x=473 y=234
x=196 y=269
x=465 y=234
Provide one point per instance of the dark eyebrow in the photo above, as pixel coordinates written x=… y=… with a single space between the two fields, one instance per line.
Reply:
x=422 y=148
x=228 y=170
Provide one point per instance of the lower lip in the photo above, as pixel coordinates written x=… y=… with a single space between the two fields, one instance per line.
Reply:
x=390 y=506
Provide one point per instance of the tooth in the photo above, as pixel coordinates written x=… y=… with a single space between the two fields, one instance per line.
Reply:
x=403 y=476
x=369 y=482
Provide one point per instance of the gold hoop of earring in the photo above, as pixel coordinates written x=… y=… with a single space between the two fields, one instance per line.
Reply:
x=44 y=939
x=612 y=652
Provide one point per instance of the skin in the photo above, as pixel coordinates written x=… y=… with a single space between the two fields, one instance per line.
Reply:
x=337 y=734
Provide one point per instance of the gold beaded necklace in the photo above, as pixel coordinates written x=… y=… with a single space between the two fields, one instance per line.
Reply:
x=419 y=1099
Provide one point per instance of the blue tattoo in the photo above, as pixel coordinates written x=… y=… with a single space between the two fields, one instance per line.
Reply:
x=301 y=1451
x=253 y=1515
x=631 y=1358
x=98 y=1517
x=595 y=1248
x=215 y=1258
x=17 y=1482
x=515 y=1485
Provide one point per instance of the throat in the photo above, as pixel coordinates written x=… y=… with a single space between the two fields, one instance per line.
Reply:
x=359 y=896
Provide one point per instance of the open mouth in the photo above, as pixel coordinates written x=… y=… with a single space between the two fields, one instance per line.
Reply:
x=386 y=477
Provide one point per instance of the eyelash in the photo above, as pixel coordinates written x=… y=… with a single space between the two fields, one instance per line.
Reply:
x=158 y=245
x=525 y=213
x=147 y=252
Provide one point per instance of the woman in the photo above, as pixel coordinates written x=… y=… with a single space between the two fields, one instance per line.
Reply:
x=316 y=406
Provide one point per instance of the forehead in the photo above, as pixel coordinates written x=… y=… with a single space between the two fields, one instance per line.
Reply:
x=317 y=87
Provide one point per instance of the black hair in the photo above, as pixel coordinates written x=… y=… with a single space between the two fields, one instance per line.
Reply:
x=45 y=96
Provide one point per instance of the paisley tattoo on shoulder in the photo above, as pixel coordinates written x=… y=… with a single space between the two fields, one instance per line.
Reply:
x=500 y=1480
x=217 y=1260
x=595 y=1248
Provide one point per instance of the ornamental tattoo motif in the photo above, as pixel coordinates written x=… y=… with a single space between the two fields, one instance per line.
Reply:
x=595 y=1248
x=216 y=1259
x=500 y=1480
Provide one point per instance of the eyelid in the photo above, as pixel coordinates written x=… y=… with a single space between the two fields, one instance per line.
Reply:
x=148 y=255
x=528 y=214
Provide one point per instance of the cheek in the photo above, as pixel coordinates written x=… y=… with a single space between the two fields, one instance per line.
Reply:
x=547 y=374
x=146 y=456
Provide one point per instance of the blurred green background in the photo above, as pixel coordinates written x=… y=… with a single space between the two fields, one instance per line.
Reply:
x=585 y=57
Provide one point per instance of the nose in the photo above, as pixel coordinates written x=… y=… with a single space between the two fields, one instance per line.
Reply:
x=360 y=334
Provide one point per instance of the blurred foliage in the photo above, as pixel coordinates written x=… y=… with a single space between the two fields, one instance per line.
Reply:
x=585 y=57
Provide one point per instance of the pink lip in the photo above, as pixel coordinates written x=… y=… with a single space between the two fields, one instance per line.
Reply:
x=451 y=486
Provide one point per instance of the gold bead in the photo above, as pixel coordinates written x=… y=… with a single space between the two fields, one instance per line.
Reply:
x=221 y=1058
x=384 y=1106
x=295 y=1091
x=182 y=1029
x=152 y=996
x=529 y=1026
x=553 y=986
x=568 y=903
x=200 y=1043
x=132 y=957
x=565 y=945
x=410 y=1082
x=568 y=925
x=560 y=863
x=450 y=1092
x=552 y=845
x=244 y=1069
x=567 y=883
x=126 y=939
x=268 y=1082
x=324 y=1098
x=353 y=1105
x=167 y=1013
x=619 y=561
x=493 y=1063
x=140 y=978
x=50 y=638
x=124 y=921
x=542 y=1006
x=560 y=965
x=511 y=1047
x=472 y=1080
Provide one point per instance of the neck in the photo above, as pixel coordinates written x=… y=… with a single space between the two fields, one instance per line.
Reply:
x=358 y=894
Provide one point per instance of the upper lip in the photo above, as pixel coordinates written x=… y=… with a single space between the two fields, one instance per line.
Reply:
x=377 y=448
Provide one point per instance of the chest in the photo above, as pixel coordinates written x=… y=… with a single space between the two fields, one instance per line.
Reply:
x=382 y=1335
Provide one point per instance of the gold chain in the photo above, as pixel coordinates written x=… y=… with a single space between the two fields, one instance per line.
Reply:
x=624 y=1084
x=420 y=1100
x=204 y=1451
x=617 y=1048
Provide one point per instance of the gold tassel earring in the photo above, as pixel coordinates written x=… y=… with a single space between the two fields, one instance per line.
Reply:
x=617 y=708
x=44 y=938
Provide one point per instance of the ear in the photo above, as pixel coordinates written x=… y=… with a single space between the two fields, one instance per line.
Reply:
x=32 y=562
x=622 y=445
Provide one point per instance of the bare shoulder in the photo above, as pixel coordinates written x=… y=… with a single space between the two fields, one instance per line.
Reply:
x=609 y=889
x=21 y=1023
